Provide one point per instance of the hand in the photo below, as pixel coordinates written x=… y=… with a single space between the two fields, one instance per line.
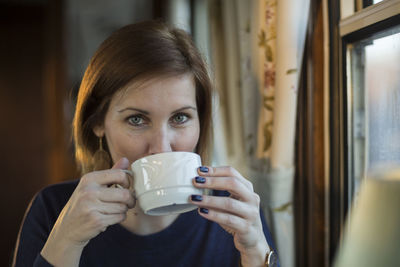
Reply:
x=95 y=205
x=238 y=214
x=92 y=207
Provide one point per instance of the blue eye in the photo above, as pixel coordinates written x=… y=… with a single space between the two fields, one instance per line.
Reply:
x=180 y=118
x=136 y=120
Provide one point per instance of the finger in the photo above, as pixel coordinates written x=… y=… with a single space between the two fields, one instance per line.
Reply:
x=227 y=205
x=116 y=195
x=111 y=219
x=112 y=176
x=130 y=179
x=225 y=171
x=112 y=208
x=237 y=224
x=230 y=184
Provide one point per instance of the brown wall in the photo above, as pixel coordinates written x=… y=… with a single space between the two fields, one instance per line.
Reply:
x=36 y=105
x=31 y=112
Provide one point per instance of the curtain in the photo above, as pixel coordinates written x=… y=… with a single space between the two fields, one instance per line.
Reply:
x=291 y=23
x=256 y=49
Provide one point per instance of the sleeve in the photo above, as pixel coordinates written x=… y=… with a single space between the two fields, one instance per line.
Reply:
x=33 y=234
x=268 y=234
x=41 y=262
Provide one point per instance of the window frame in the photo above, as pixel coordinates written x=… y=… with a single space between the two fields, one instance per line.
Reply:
x=353 y=27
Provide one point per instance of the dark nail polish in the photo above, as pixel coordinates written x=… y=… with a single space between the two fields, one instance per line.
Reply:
x=204 y=210
x=197 y=197
x=200 y=180
x=203 y=169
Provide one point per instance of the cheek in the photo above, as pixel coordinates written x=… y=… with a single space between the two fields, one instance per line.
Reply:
x=125 y=145
x=187 y=139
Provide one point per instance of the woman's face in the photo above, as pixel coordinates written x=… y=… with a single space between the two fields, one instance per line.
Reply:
x=157 y=116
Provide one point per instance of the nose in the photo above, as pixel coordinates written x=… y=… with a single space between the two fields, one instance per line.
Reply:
x=160 y=141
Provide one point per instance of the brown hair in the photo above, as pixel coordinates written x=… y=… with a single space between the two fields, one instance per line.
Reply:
x=138 y=52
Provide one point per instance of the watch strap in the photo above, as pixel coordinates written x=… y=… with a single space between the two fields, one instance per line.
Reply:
x=271 y=259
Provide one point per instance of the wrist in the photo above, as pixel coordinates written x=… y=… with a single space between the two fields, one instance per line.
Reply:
x=255 y=256
x=61 y=252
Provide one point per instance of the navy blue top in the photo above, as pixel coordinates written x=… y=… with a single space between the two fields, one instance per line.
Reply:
x=189 y=241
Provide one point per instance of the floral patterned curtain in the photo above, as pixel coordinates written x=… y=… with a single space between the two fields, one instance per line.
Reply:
x=283 y=44
x=256 y=51
x=267 y=44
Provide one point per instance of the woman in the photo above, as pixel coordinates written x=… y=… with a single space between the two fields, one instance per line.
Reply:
x=145 y=91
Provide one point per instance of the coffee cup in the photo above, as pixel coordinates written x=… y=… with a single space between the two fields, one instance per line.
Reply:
x=162 y=182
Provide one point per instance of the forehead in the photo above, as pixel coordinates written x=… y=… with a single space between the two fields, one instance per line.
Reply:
x=157 y=91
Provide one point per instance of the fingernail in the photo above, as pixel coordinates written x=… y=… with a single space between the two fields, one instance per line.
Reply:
x=200 y=180
x=204 y=210
x=197 y=197
x=203 y=169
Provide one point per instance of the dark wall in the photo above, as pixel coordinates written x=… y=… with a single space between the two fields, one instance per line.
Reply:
x=21 y=116
x=36 y=105
x=29 y=81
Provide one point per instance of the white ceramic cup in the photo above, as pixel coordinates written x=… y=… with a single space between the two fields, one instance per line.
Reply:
x=163 y=182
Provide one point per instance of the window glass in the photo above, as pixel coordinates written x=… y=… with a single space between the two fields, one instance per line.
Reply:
x=366 y=3
x=374 y=86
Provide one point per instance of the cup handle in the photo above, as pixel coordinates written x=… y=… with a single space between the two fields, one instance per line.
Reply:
x=130 y=173
x=131 y=187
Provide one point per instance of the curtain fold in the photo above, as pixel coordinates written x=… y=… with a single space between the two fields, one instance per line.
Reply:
x=256 y=50
x=291 y=24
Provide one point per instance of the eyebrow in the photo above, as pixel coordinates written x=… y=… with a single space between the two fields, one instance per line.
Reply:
x=147 y=113
x=133 y=109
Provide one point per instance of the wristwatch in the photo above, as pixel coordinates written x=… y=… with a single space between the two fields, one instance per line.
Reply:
x=271 y=259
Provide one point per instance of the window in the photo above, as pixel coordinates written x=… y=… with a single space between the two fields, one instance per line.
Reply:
x=373 y=81
x=367 y=3
x=364 y=99
x=370 y=45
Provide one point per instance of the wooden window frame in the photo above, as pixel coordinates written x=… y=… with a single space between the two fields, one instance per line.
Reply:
x=352 y=28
